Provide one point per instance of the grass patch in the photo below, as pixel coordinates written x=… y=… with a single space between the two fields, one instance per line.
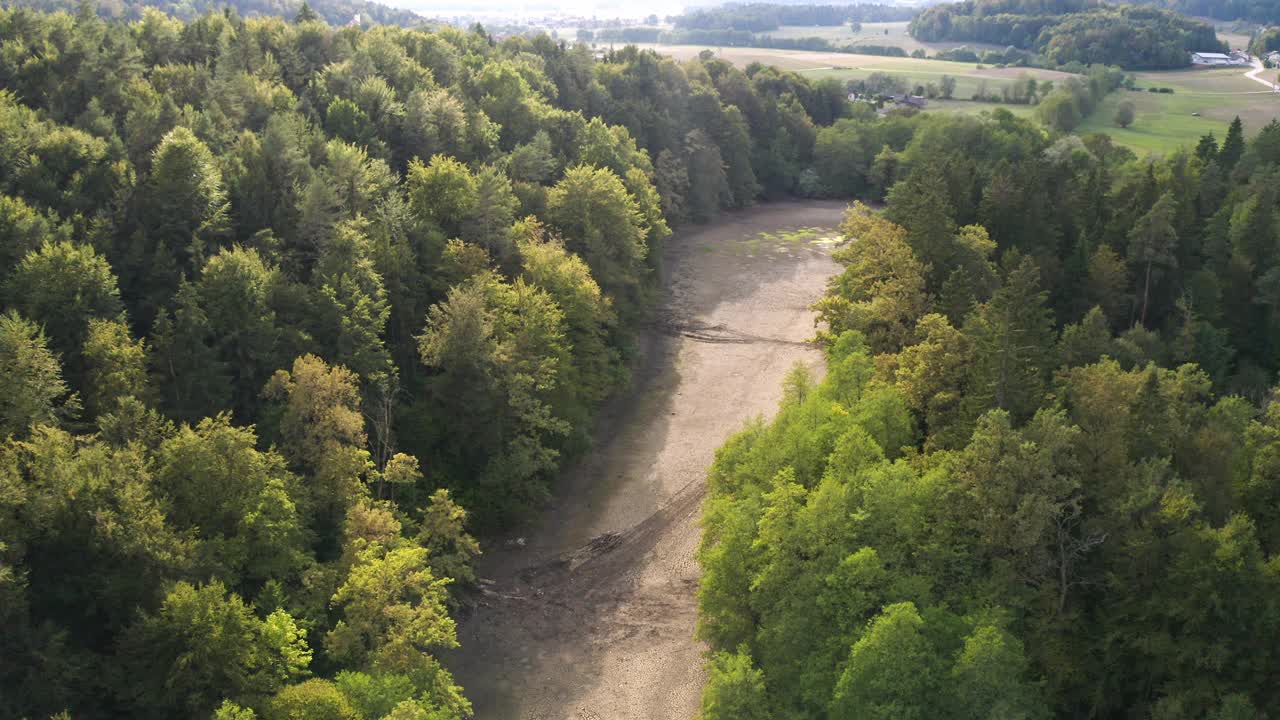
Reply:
x=970 y=107
x=853 y=65
x=1203 y=101
x=889 y=34
x=780 y=241
x=969 y=79
x=803 y=235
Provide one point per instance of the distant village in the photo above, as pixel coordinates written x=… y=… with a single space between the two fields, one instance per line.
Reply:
x=881 y=102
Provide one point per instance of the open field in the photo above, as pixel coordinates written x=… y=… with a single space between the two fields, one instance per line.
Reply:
x=969 y=107
x=742 y=56
x=849 y=66
x=969 y=79
x=1165 y=122
x=892 y=34
x=1235 y=34
x=1237 y=41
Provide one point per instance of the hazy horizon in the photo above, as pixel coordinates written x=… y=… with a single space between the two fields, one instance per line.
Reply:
x=541 y=8
x=600 y=9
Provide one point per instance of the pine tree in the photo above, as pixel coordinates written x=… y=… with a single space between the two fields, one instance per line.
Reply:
x=922 y=206
x=1152 y=243
x=1232 y=146
x=1207 y=148
x=305 y=14
x=1012 y=339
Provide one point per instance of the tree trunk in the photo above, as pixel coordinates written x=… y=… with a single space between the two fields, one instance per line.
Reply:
x=1146 y=287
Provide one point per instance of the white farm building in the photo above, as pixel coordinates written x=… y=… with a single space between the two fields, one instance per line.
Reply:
x=1208 y=58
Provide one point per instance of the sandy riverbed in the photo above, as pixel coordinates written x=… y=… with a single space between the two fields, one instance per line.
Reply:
x=593 y=616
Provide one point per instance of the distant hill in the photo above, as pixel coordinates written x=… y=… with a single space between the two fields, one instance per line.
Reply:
x=334 y=12
x=1259 y=11
x=763 y=17
x=1061 y=32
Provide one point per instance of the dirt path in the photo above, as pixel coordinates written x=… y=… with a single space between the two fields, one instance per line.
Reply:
x=1253 y=74
x=591 y=614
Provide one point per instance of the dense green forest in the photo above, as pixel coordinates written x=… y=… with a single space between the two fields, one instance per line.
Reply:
x=288 y=311
x=1072 y=31
x=337 y=12
x=1039 y=479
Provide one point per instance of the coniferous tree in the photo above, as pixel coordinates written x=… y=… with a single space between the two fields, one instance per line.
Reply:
x=1232 y=146
x=1012 y=338
x=1153 y=244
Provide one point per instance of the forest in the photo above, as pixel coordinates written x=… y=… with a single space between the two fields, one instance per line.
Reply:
x=1072 y=31
x=1039 y=479
x=290 y=313
x=335 y=12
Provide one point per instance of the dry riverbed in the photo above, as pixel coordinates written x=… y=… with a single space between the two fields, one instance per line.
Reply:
x=589 y=613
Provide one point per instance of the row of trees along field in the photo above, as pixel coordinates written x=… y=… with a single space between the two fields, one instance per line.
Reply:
x=739 y=38
x=1040 y=478
x=281 y=300
x=764 y=17
x=1072 y=31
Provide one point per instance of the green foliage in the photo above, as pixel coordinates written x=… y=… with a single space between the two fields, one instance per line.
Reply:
x=498 y=349
x=893 y=670
x=116 y=366
x=1011 y=337
x=374 y=284
x=1232 y=146
x=35 y=391
x=443 y=529
x=374 y=696
x=202 y=645
x=881 y=291
x=393 y=613
x=321 y=433
x=186 y=214
x=735 y=689
x=1071 y=31
x=1125 y=114
x=588 y=312
x=23 y=230
x=1040 y=548
x=226 y=233
x=236 y=499
x=319 y=699
x=601 y=222
x=62 y=286
x=231 y=711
